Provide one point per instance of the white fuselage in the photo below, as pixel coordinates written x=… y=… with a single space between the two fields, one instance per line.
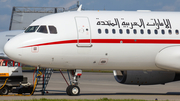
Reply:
x=81 y=41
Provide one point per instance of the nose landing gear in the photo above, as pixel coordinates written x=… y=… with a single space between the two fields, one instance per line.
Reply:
x=73 y=89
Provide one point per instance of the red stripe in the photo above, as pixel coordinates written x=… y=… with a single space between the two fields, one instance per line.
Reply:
x=127 y=41
x=53 y=43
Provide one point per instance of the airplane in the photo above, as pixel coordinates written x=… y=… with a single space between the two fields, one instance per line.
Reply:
x=142 y=47
x=5 y=37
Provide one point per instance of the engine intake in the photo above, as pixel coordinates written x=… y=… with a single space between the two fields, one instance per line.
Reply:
x=145 y=77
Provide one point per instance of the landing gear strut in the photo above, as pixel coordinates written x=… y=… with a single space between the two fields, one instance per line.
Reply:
x=73 y=89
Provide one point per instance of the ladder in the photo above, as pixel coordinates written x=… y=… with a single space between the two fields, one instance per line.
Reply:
x=42 y=80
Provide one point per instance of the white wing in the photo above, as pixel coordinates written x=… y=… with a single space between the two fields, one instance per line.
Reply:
x=3 y=55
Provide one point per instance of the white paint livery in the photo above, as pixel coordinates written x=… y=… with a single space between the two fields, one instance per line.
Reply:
x=129 y=52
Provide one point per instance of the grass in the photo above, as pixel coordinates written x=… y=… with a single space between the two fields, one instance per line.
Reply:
x=103 y=99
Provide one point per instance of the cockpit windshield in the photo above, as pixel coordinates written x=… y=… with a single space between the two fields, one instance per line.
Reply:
x=31 y=29
x=52 y=30
x=42 y=29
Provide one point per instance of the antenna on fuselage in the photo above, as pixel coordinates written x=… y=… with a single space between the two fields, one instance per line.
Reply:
x=80 y=7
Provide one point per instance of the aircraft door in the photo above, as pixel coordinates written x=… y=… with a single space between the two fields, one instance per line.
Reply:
x=83 y=32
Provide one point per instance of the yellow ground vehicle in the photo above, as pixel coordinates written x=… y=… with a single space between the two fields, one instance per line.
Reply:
x=10 y=75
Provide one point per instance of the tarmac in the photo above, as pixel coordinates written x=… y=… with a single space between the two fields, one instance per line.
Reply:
x=101 y=85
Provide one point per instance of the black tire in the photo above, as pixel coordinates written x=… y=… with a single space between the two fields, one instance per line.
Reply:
x=68 y=91
x=74 y=90
x=4 y=90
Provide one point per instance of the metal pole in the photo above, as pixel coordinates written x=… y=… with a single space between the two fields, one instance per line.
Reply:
x=63 y=77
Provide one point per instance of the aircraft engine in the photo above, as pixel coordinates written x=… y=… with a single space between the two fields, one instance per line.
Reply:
x=145 y=77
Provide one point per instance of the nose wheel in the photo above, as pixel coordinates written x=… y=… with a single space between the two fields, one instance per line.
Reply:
x=73 y=90
x=74 y=75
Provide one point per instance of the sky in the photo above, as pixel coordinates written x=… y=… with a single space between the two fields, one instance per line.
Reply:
x=118 y=5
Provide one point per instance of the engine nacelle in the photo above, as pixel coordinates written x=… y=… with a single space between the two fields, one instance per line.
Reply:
x=145 y=77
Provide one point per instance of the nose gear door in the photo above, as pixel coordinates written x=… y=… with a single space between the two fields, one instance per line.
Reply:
x=83 y=32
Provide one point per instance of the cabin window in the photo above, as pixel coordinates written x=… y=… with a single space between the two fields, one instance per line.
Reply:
x=177 y=32
x=162 y=31
x=120 y=31
x=135 y=31
x=149 y=31
x=127 y=31
x=99 y=31
x=31 y=29
x=155 y=31
x=170 y=31
x=142 y=31
x=106 y=31
x=52 y=30
x=113 y=31
x=42 y=29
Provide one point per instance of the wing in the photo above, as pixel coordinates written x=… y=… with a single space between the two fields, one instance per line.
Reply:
x=3 y=56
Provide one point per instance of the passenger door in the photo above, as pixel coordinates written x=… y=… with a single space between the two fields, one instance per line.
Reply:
x=83 y=32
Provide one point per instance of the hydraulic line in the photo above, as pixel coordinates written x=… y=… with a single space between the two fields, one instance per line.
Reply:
x=40 y=73
x=34 y=73
x=4 y=84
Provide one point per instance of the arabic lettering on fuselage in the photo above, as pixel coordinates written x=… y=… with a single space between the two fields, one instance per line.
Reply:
x=157 y=23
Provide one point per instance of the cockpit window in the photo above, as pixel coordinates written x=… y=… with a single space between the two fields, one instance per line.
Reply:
x=42 y=29
x=31 y=29
x=52 y=30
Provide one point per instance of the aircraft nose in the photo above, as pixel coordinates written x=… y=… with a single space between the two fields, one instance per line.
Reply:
x=12 y=50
